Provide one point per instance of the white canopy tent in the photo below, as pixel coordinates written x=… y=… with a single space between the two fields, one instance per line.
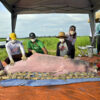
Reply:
x=52 y=6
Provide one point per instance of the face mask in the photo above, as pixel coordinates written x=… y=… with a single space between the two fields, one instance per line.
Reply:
x=72 y=32
x=61 y=40
x=33 y=40
x=13 y=41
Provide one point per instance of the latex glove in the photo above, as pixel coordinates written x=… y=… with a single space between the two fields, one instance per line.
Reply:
x=65 y=56
x=12 y=62
x=23 y=57
x=33 y=51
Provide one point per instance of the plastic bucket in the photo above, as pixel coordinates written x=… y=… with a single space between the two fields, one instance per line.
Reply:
x=90 y=51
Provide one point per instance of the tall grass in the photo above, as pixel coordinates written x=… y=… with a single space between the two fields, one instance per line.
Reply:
x=81 y=41
x=50 y=44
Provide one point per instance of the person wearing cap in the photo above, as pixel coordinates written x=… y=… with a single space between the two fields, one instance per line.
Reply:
x=64 y=47
x=15 y=50
x=35 y=45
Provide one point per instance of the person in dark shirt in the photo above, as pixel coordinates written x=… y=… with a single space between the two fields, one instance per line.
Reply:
x=64 y=46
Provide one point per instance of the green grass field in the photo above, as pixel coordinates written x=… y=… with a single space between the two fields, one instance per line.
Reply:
x=50 y=44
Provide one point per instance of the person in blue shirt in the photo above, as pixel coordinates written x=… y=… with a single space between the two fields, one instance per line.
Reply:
x=98 y=37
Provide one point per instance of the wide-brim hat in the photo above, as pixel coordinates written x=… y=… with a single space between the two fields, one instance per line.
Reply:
x=61 y=35
x=97 y=18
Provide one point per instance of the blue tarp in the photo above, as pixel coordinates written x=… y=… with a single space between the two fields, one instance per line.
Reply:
x=20 y=82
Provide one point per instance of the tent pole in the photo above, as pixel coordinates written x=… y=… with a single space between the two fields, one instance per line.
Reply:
x=92 y=25
x=13 y=21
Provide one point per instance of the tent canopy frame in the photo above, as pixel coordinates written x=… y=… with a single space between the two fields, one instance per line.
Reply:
x=16 y=7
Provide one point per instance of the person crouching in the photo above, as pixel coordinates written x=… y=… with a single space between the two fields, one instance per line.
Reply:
x=35 y=45
x=15 y=50
x=64 y=47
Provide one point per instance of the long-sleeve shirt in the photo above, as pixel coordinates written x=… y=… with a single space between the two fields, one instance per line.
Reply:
x=98 y=29
x=71 y=39
x=67 y=49
x=14 y=48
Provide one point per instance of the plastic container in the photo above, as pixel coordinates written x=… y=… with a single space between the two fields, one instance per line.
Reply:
x=95 y=51
x=90 y=50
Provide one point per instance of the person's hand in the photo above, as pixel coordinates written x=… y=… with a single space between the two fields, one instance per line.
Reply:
x=65 y=56
x=2 y=72
x=33 y=51
x=23 y=57
x=12 y=62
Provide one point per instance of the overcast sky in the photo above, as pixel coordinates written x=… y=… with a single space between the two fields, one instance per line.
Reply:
x=43 y=24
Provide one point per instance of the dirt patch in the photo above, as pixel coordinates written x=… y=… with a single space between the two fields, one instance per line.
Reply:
x=94 y=59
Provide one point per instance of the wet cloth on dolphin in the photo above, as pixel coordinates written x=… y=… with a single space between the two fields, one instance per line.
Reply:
x=48 y=63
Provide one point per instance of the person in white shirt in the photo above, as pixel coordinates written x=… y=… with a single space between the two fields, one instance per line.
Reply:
x=15 y=50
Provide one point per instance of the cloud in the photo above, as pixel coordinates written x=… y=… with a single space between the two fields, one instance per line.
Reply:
x=5 y=21
x=51 y=24
x=43 y=24
x=79 y=17
x=28 y=17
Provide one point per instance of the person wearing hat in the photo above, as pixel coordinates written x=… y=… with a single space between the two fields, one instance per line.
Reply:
x=64 y=47
x=97 y=33
x=35 y=45
x=14 y=49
